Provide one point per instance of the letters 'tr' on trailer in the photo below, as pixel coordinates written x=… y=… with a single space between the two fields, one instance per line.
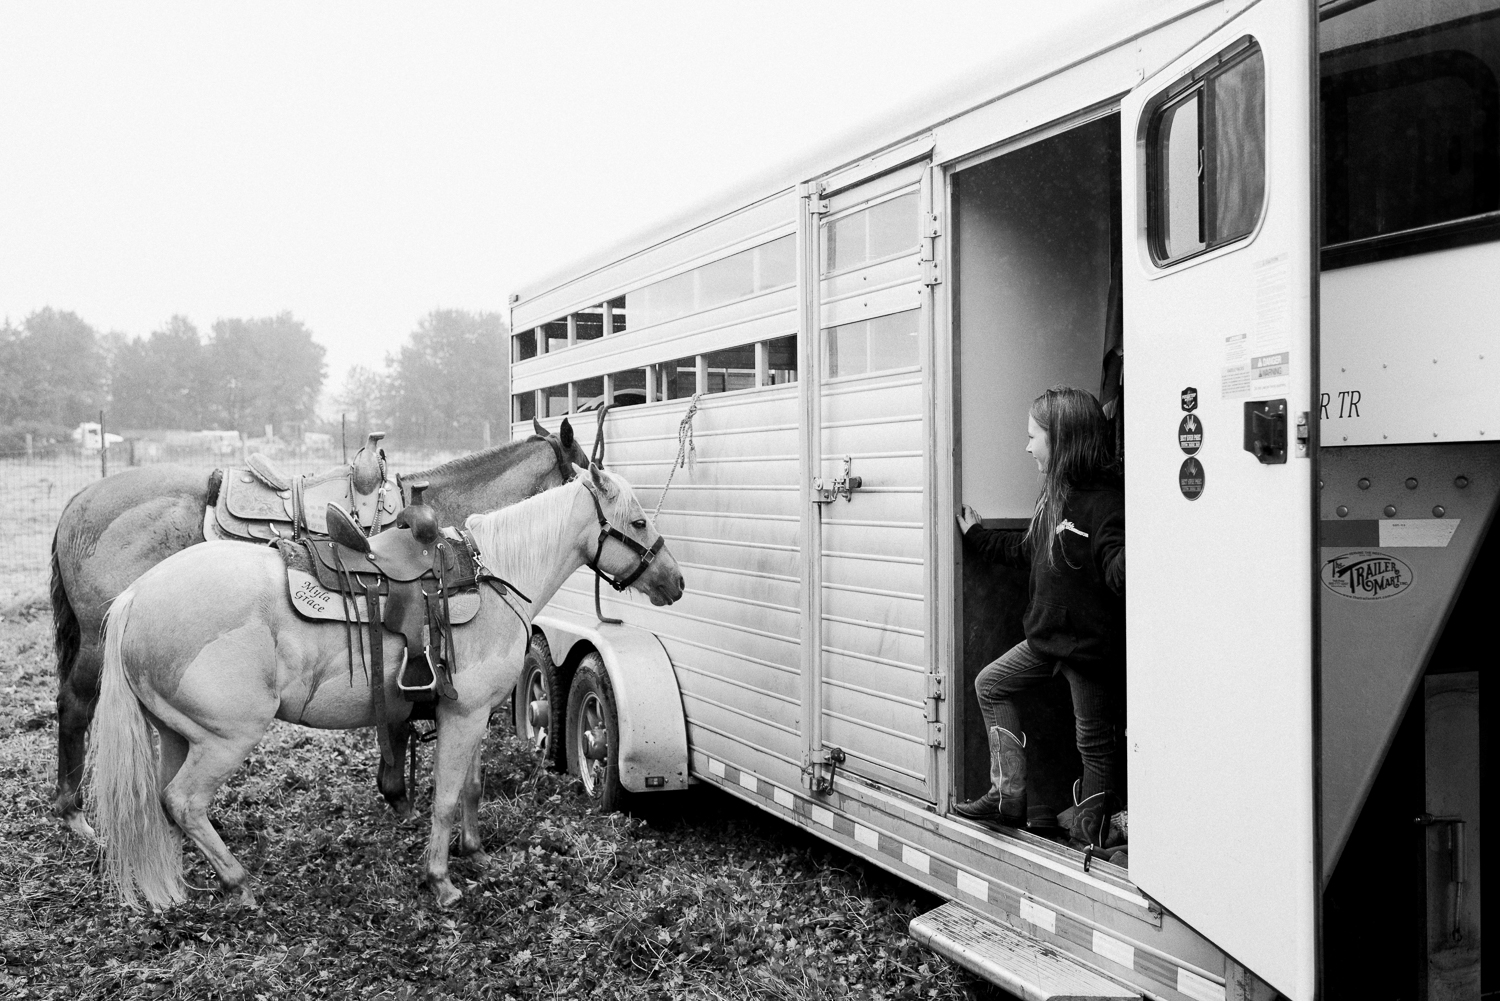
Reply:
x=1267 y=234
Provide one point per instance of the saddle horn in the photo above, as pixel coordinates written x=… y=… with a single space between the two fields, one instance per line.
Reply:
x=367 y=474
x=418 y=516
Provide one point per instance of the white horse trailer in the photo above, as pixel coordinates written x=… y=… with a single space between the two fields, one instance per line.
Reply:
x=1284 y=220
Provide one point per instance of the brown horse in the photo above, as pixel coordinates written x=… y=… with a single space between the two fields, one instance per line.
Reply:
x=206 y=650
x=117 y=528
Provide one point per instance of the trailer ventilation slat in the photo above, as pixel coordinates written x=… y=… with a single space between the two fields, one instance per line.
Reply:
x=1023 y=966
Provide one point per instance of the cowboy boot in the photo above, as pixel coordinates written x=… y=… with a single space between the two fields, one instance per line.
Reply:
x=1089 y=820
x=1005 y=801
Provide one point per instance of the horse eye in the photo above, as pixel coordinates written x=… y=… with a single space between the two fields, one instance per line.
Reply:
x=639 y=524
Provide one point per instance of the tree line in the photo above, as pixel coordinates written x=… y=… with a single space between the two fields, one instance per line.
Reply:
x=438 y=390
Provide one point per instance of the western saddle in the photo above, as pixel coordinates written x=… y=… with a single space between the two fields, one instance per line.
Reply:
x=414 y=580
x=260 y=503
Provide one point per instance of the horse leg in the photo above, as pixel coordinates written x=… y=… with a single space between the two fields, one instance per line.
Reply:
x=392 y=778
x=459 y=738
x=209 y=762
x=77 y=693
x=468 y=831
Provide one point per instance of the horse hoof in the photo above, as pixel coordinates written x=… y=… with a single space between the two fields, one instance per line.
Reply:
x=446 y=893
x=79 y=825
x=245 y=899
x=481 y=858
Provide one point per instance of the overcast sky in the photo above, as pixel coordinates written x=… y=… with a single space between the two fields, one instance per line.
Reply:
x=360 y=165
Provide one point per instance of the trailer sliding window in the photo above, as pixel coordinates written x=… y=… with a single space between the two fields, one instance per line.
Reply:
x=1205 y=149
x=1410 y=130
x=761 y=364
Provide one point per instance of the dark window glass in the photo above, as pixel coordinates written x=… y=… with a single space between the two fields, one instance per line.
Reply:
x=678 y=379
x=523 y=407
x=630 y=387
x=590 y=393
x=556 y=398
x=1206 y=156
x=523 y=345
x=617 y=314
x=781 y=360
x=1411 y=120
x=556 y=333
x=730 y=369
x=588 y=324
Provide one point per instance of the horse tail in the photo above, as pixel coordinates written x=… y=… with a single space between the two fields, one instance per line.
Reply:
x=141 y=847
x=66 y=634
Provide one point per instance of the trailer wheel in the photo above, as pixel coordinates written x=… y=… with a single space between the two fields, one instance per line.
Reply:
x=537 y=704
x=594 y=735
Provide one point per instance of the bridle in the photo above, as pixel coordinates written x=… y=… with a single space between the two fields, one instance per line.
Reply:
x=565 y=468
x=645 y=556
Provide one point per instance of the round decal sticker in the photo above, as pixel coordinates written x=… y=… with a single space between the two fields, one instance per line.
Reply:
x=1190 y=479
x=1190 y=434
x=1366 y=575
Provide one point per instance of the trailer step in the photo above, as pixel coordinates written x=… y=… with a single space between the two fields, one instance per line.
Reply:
x=1025 y=967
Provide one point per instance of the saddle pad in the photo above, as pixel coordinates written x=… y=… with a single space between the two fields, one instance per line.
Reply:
x=313 y=601
x=249 y=499
x=230 y=527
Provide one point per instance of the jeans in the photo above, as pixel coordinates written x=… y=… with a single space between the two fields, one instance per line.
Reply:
x=1094 y=702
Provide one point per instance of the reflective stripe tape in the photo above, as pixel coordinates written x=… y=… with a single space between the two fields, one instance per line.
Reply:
x=1038 y=915
x=1115 y=950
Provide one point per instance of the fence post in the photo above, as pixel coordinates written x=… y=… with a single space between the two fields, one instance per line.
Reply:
x=103 y=449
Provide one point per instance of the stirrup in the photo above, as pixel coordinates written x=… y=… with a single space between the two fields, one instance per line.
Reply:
x=416 y=683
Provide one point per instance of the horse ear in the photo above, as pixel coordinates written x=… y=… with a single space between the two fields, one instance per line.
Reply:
x=566 y=434
x=597 y=475
x=541 y=432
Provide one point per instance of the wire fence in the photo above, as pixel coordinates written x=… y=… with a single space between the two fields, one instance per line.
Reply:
x=34 y=489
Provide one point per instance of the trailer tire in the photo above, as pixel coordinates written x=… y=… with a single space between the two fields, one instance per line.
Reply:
x=541 y=681
x=592 y=714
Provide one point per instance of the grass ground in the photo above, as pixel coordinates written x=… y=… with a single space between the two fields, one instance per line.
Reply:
x=706 y=898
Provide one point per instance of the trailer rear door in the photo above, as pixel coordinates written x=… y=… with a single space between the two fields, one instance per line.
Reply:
x=1220 y=287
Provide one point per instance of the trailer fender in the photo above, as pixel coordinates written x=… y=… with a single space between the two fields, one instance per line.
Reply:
x=653 y=729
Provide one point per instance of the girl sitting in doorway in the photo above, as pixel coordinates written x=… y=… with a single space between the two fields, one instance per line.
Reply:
x=1075 y=618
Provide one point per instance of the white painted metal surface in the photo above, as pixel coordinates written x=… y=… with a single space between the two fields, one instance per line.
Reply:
x=1220 y=595
x=1019 y=964
x=653 y=732
x=1411 y=349
x=871 y=601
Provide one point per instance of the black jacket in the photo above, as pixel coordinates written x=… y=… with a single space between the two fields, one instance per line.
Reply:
x=1077 y=605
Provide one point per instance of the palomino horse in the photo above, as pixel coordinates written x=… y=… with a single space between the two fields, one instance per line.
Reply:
x=207 y=648
x=116 y=529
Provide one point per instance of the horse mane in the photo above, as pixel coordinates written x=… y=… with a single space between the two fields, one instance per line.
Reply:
x=522 y=542
x=473 y=460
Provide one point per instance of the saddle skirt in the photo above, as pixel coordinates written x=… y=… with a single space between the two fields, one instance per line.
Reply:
x=257 y=502
x=414 y=590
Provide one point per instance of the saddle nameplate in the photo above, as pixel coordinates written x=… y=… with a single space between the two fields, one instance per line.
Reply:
x=313 y=601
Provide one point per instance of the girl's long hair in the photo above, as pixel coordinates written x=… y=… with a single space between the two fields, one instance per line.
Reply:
x=1081 y=455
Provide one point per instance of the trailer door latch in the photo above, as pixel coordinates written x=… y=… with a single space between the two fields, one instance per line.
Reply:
x=1265 y=430
x=826 y=490
x=822 y=767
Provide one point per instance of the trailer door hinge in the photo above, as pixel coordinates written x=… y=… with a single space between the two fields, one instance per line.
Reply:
x=934 y=225
x=935 y=687
x=932 y=273
x=816 y=205
x=936 y=736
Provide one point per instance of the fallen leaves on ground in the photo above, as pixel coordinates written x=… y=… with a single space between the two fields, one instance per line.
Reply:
x=701 y=897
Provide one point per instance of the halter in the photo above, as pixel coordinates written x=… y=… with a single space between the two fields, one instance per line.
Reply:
x=606 y=531
x=564 y=467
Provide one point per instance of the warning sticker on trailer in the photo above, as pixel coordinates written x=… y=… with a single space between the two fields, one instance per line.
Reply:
x=1366 y=575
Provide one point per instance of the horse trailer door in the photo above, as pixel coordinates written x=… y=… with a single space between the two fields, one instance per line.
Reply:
x=1219 y=289
x=866 y=600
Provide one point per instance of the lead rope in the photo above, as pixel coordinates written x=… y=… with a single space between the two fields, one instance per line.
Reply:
x=687 y=451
